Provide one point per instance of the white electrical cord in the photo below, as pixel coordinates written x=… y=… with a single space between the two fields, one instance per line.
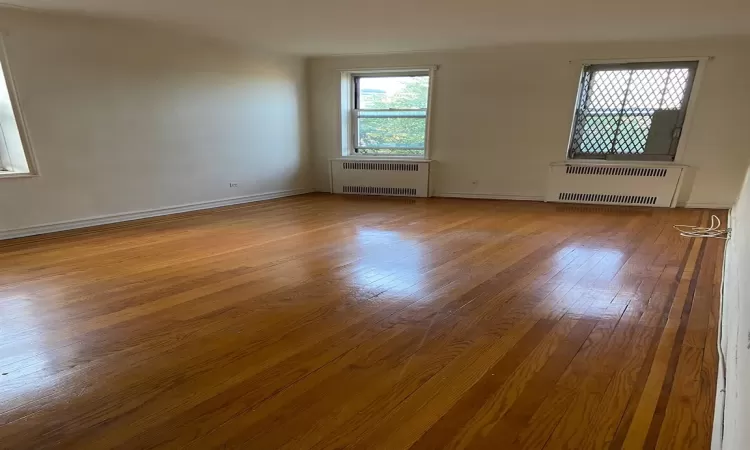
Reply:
x=713 y=231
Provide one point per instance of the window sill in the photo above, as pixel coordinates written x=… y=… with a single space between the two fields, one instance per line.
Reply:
x=382 y=158
x=4 y=175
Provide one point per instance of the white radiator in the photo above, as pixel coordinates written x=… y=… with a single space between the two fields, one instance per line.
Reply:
x=643 y=185
x=372 y=177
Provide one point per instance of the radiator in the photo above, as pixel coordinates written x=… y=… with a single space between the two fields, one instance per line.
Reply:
x=396 y=178
x=614 y=184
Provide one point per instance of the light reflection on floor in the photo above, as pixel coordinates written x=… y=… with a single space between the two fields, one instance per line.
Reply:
x=607 y=262
x=387 y=260
x=613 y=255
x=27 y=371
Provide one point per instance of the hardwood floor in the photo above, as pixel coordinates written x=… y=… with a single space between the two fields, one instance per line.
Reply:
x=319 y=322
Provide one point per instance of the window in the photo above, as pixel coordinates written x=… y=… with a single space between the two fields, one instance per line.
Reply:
x=389 y=114
x=14 y=159
x=631 y=111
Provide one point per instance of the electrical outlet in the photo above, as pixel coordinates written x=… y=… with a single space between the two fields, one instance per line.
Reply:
x=233 y=185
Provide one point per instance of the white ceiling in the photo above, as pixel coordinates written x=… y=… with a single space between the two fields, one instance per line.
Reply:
x=314 y=27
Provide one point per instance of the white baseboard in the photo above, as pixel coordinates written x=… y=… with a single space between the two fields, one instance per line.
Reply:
x=134 y=215
x=705 y=206
x=489 y=196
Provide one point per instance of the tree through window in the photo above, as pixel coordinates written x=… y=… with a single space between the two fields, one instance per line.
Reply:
x=390 y=114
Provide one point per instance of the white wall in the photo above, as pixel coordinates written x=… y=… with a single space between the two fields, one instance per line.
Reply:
x=736 y=325
x=125 y=117
x=501 y=115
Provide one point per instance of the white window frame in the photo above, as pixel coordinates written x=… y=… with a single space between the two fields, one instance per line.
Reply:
x=348 y=115
x=19 y=163
x=689 y=114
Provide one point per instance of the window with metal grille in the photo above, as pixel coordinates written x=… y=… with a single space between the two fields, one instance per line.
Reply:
x=631 y=111
x=15 y=154
x=390 y=114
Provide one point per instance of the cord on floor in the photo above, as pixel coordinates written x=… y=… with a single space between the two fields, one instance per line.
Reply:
x=714 y=231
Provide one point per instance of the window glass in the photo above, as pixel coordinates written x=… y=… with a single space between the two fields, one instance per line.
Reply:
x=391 y=115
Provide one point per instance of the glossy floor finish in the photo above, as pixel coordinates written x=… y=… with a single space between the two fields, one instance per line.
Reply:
x=321 y=322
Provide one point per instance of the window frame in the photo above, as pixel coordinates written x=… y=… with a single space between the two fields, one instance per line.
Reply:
x=350 y=110
x=29 y=167
x=676 y=156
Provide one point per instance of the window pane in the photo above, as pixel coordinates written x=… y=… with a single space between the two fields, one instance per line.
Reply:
x=415 y=113
x=390 y=151
x=646 y=89
x=391 y=132
x=632 y=134
x=608 y=88
x=674 y=95
x=640 y=89
x=619 y=107
x=629 y=133
x=12 y=153
x=596 y=133
x=393 y=92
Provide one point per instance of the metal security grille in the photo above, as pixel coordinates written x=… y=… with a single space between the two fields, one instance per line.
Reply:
x=631 y=111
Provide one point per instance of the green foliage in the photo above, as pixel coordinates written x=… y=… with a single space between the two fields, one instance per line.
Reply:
x=400 y=135
x=628 y=132
x=412 y=95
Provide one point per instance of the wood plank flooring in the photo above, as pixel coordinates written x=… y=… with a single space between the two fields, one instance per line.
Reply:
x=328 y=322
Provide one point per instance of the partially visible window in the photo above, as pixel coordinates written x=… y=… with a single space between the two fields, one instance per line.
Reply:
x=390 y=114
x=631 y=111
x=14 y=157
